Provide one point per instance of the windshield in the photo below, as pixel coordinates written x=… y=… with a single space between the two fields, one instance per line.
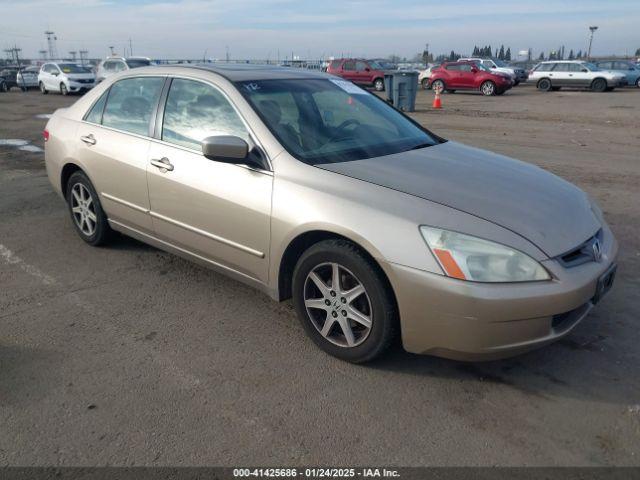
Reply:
x=72 y=68
x=332 y=120
x=137 y=62
x=483 y=67
x=500 y=63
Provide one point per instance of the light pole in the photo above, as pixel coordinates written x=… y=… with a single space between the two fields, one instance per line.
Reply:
x=593 y=28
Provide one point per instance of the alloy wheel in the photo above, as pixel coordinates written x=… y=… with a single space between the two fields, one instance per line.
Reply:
x=488 y=88
x=84 y=214
x=338 y=305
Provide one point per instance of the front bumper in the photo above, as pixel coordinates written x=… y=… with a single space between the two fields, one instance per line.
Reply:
x=473 y=321
x=78 y=87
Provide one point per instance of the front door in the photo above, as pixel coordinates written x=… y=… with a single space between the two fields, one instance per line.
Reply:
x=218 y=211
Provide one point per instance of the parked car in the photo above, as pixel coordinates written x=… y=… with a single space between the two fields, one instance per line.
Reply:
x=554 y=75
x=65 y=78
x=359 y=71
x=384 y=64
x=518 y=74
x=304 y=186
x=27 y=78
x=423 y=77
x=113 y=65
x=467 y=75
x=630 y=70
x=9 y=78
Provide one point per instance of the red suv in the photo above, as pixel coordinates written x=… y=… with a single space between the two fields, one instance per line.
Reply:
x=452 y=76
x=364 y=72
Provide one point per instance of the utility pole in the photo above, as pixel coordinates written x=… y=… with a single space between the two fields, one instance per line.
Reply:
x=43 y=55
x=227 y=53
x=111 y=47
x=83 y=56
x=51 y=42
x=130 y=47
x=593 y=28
x=73 y=54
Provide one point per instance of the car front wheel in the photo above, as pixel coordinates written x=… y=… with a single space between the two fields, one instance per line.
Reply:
x=437 y=85
x=344 y=302
x=4 y=87
x=599 y=85
x=488 y=88
x=63 y=89
x=86 y=211
x=425 y=84
x=43 y=89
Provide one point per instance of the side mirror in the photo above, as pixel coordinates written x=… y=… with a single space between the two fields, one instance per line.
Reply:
x=584 y=70
x=494 y=67
x=367 y=69
x=225 y=148
x=230 y=149
x=55 y=74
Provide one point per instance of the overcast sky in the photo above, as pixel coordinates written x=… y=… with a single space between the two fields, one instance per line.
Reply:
x=262 y=28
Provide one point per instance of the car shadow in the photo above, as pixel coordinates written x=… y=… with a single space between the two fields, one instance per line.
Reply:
x=577 y=366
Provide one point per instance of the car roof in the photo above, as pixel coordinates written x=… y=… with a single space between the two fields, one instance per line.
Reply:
x=241 y=72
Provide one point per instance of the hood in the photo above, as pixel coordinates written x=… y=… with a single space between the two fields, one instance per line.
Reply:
x=548 y=211
x=80 y=76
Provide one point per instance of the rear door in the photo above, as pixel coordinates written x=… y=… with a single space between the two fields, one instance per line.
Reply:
x=363 y=73
x=349 y=70
x=560 y=75
x=452 y=76
x=218 y=211
x=113 y=140
x=466 y=78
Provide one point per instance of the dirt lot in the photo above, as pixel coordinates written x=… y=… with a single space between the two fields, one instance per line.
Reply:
x=128 y=355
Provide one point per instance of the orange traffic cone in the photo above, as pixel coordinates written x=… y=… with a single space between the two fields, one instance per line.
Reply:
x=437 y=102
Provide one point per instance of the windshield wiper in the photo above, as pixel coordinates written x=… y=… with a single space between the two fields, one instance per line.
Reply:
x=422 y=145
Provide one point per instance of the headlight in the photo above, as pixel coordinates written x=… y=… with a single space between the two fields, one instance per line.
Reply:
x=470 y=258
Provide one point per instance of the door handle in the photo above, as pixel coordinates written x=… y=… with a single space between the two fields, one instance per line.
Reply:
x=88 y=139
x=162 y=163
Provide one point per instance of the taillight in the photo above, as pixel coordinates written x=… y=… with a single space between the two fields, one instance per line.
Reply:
x=45 y=135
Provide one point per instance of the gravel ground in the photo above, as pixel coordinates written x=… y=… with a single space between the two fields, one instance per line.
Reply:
x=127 y=355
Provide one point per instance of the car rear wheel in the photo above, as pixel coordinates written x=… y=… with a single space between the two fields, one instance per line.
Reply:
x=378 y=84
x=437 y=85
x=638 y=82
x=599 y=85
x=544 y=85
x=86 y=212
x=4 y=87
x=343 y=301
x=63 y=89
x=488 y=88
x=425 y=84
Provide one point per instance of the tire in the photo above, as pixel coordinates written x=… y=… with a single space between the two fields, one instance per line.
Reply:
x=488 y=88
x=451 y=91
x=4 y=87
x=375 y=303
x=599 y=85
x=43 y=89
x=544 y=85
x=438 y=84
x=82 y=197
x=638 y=82
x=24 y=89
x=500 y=92
x=425 y=84
x=516 y=83
x=378 y=84
x=63 y=89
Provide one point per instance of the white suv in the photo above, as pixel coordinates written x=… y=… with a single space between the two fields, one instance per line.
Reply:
x=113 y=65
x=65 y=78
x=554 y=75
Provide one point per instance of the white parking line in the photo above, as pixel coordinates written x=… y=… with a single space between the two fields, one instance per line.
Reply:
x=12 y=259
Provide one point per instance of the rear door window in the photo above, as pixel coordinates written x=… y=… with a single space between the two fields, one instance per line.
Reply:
x=131 y=103
x=349 y=65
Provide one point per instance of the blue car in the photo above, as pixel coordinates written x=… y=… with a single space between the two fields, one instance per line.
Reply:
x=629 y=69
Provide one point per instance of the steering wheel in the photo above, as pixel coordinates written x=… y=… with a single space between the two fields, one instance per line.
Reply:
x=340 y=128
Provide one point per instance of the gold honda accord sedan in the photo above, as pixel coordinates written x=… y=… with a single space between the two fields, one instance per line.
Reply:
x=308 y=187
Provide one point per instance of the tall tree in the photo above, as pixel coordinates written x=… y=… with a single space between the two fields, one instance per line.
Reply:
x=579 y=54
x=571 y=55
x=541 y=57
x=501 y=53
x=507 y=55
x=638 y=52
